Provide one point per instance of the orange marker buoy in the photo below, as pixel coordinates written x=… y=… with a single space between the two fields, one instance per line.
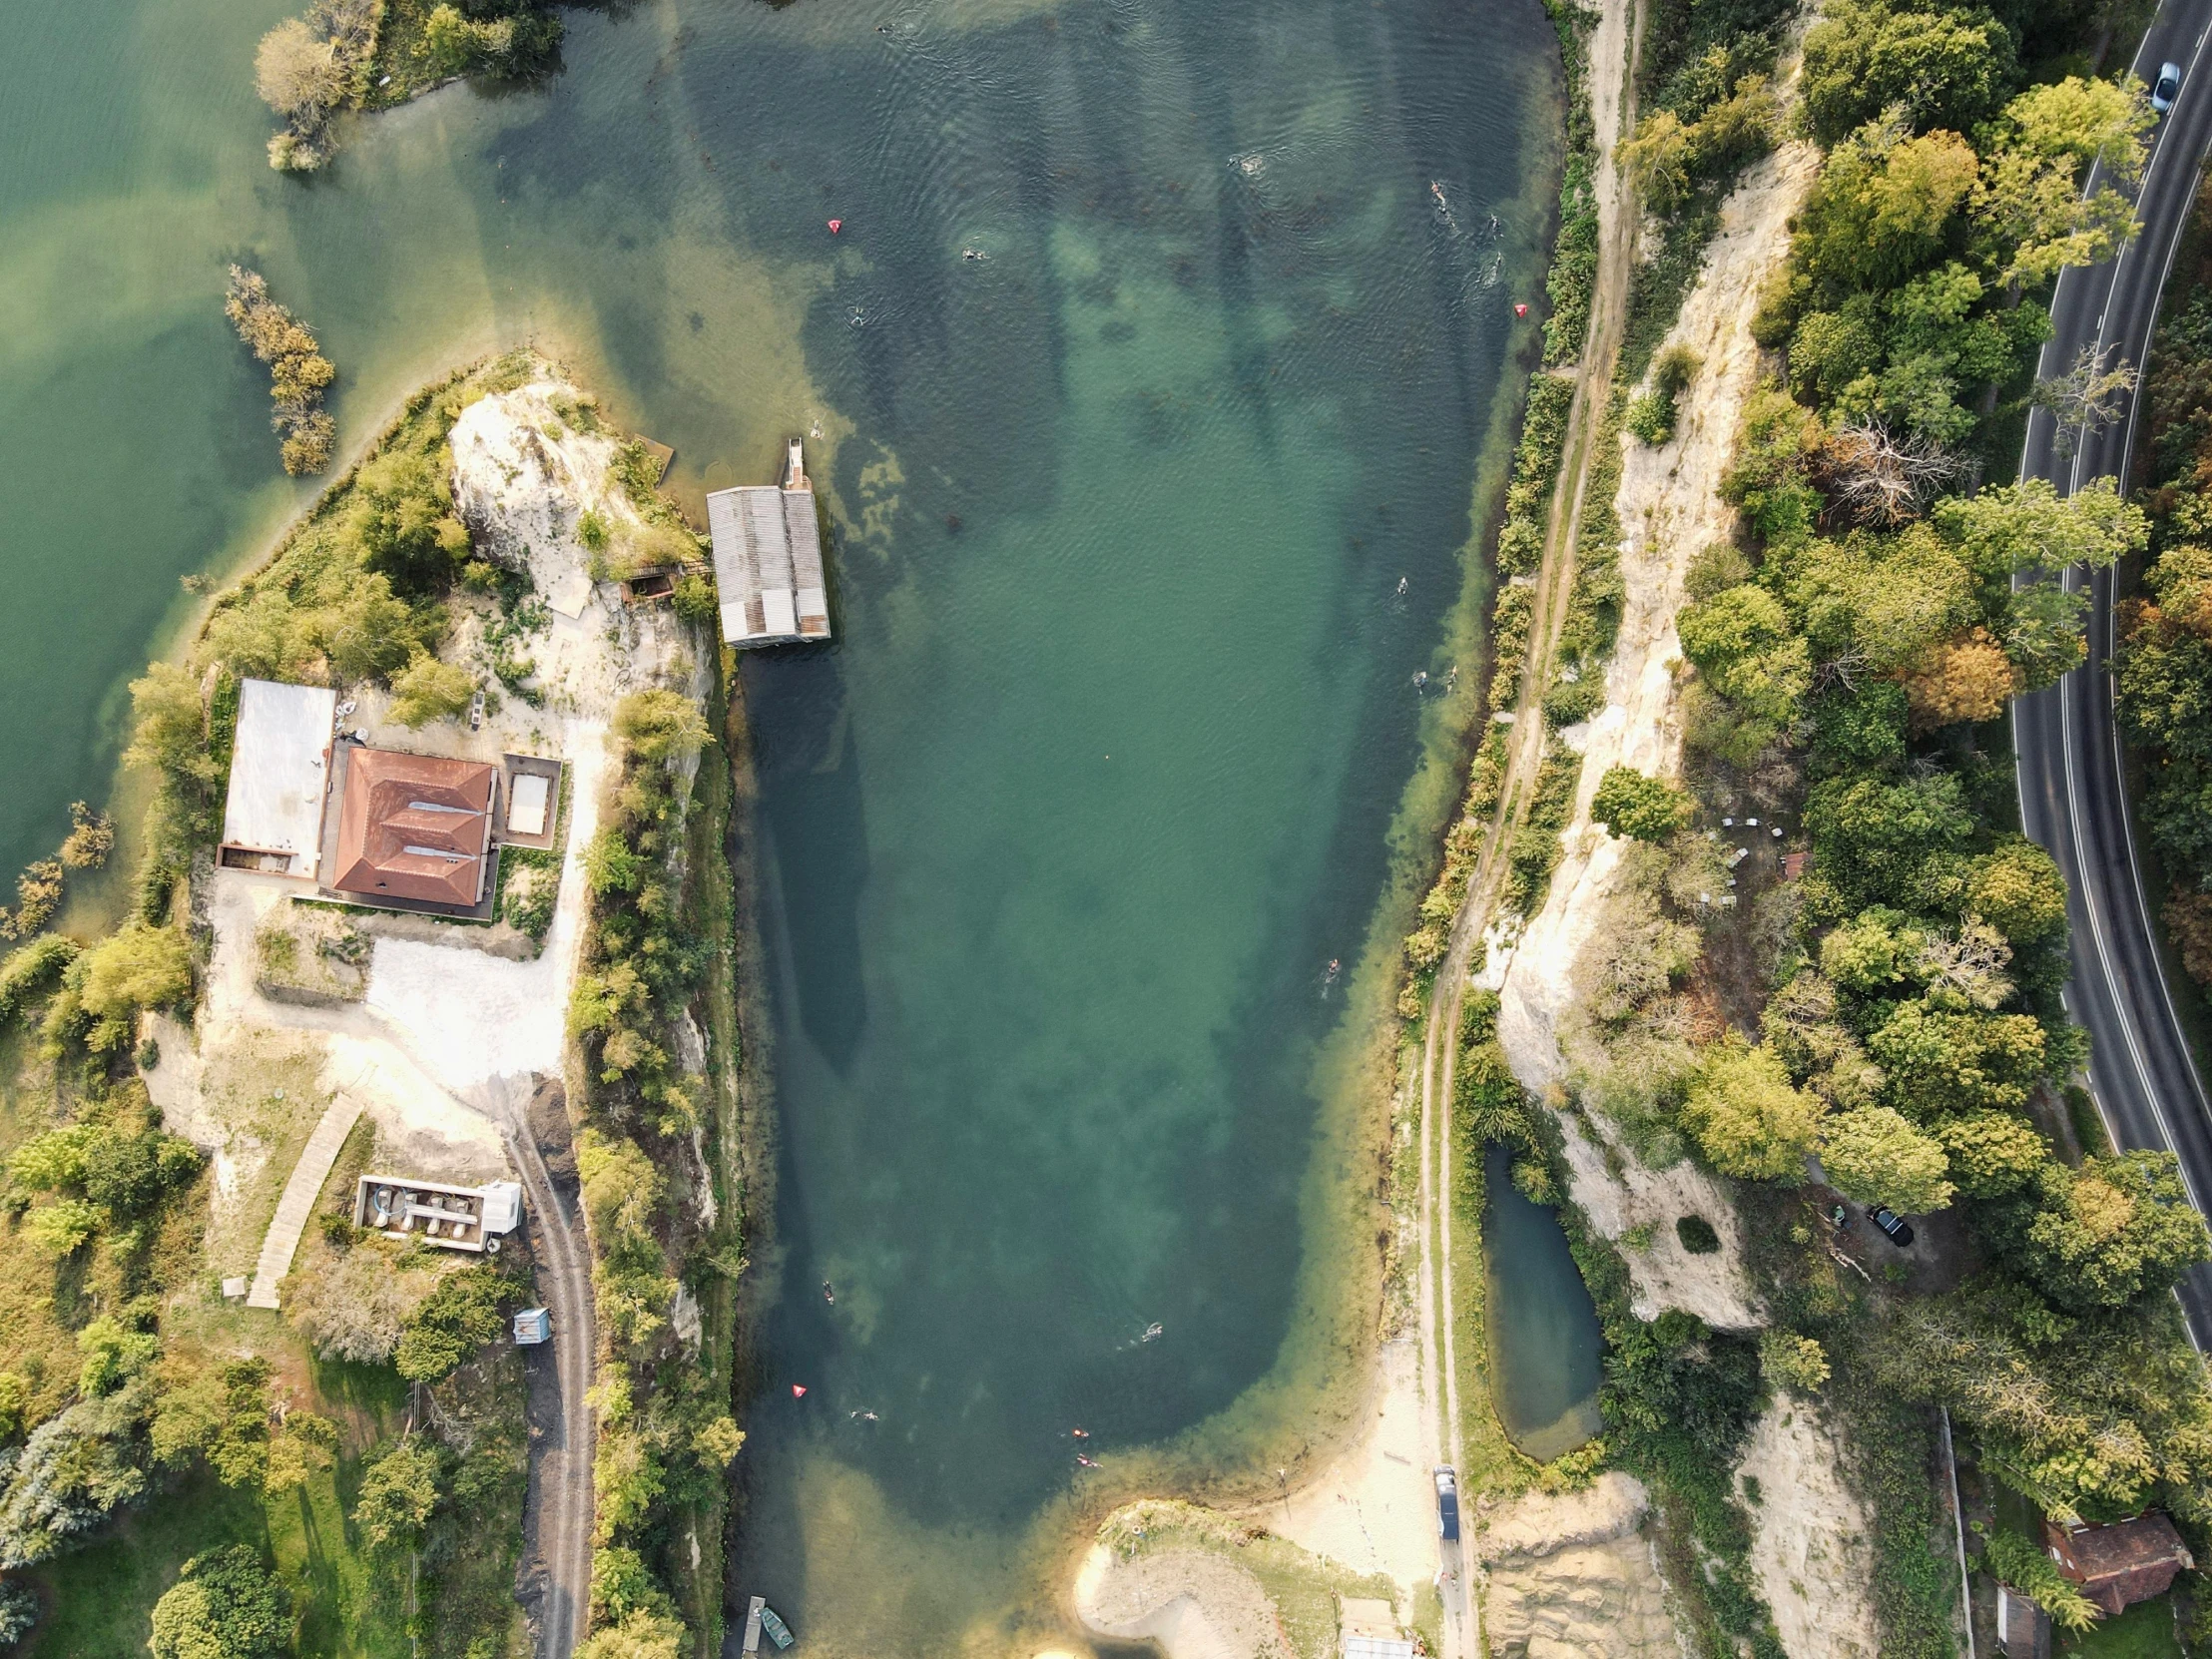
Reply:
x=835 y=225
x=799 y=1390
x=1520 y=311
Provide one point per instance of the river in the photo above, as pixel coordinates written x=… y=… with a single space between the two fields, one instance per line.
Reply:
x=1148 y=378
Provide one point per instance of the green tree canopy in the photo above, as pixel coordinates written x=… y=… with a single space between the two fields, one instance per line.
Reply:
x=1991 y=1154
x=1876 y=1156
x=398 y=1495
x=1646 y=809
x=225 y=1605
x=1941 y=1060
x=1748 y=1116
x=2017 y=890
x=2106 y=1234
x=1882 y=208
x=1941 y=68
x=427 y=689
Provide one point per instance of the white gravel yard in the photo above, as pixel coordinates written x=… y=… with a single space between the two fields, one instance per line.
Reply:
x=467 y=1016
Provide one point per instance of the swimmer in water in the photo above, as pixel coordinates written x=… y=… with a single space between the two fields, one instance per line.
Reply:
x=1085 y=1462
x=1401 y=581
x=828 y=1294
x=1080 y=1434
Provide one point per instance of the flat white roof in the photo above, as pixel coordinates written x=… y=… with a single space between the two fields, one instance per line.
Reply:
x=527 y=802
x=280 y=772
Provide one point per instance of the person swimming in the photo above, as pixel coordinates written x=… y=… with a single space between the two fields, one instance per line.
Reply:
x=828 y=1294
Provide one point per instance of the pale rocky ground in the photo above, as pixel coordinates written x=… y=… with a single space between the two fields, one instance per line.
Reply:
x=1810 y=1538
x=1574 y=1577
x=443 y=1021
x=1670 y=510
x=1810 y=1548
x=1194 y=1603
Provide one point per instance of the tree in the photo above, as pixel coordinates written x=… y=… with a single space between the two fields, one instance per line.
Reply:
x=308 y=1446
x=1872 y=952
x=1797 y=1364
x=661 y=726
x=1879 y=478
x=1969 y=677
x=1877 y=840
x=2087 y=397
x=1646 y=809
x=216 y=1412
x=643 y=1635
x=297 y=75
x=1748 y=1116
x=2015 y=527
x=140 y=967
x=1938 y=1061
x=2117 y=1230
x=1991 y=1154
x=1657 y=158
x=428 y=690
x=1881 y=207
x=75 y=1470
x=402 y=519
x=456 y=1319
x=2013 y=1560
x=225 y=1605
x=1741 y=640
x=398 y=1495
x=1864 y=57
x=2018 y=890
x=2029 y=206
x=169 y=730
x=1875 y=1156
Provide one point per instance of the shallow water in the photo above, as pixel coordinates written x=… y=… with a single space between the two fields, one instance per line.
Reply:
x=1546 y=1347
x=1148 y=517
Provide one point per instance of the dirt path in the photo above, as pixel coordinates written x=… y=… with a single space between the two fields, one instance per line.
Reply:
x=558 y=1518
x=1612 y=48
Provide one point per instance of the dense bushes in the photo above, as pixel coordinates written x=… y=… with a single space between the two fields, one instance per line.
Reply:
x=347 y=54
x=299 y=373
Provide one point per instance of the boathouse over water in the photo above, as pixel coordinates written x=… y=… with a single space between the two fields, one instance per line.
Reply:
x=768 y=560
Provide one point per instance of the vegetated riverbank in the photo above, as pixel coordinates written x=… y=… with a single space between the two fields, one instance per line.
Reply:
x=369 y=1446
x=1709 y=1021
x=346 y=56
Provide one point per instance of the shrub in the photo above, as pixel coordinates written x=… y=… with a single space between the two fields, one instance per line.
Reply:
x=1646 y=809
x=225 y=1605
x=398 y=1495
x=661 y=726
x=454 y=1321
x=2012 y=1560
x=428 y=690
x=1791 y=1362
x=1697 y=1235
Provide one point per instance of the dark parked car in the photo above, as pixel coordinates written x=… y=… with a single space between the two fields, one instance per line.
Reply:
x=1447 y=1503
x=2166 y=88
x=1898 y=1230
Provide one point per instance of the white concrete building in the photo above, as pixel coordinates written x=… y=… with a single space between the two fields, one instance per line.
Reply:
x=280 y=776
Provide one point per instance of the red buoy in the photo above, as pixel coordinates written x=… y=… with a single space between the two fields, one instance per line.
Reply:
x=1520 y=311
x=835 y=225
x=799 y=1390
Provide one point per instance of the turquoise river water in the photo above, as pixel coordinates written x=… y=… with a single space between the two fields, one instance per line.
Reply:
x=1149 y=514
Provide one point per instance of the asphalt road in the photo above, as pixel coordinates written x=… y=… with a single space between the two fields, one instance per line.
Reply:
x=2072 y=799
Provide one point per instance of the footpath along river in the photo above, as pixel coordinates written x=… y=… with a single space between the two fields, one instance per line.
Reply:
x=1148 y=382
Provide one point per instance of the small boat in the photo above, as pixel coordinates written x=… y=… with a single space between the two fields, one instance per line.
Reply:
x=778 y=1631
x=1151 y=1333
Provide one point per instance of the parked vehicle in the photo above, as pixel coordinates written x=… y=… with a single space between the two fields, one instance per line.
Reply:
x=1895 y=1227
x=1447 y=1503
x=2166 y=88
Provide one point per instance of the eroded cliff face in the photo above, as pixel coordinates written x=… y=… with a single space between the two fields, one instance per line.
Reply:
x=1603 y=1594
x=1574 y=1576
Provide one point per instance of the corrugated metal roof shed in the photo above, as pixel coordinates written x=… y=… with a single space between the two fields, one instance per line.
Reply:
x=279 y=770
x=768 y=561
